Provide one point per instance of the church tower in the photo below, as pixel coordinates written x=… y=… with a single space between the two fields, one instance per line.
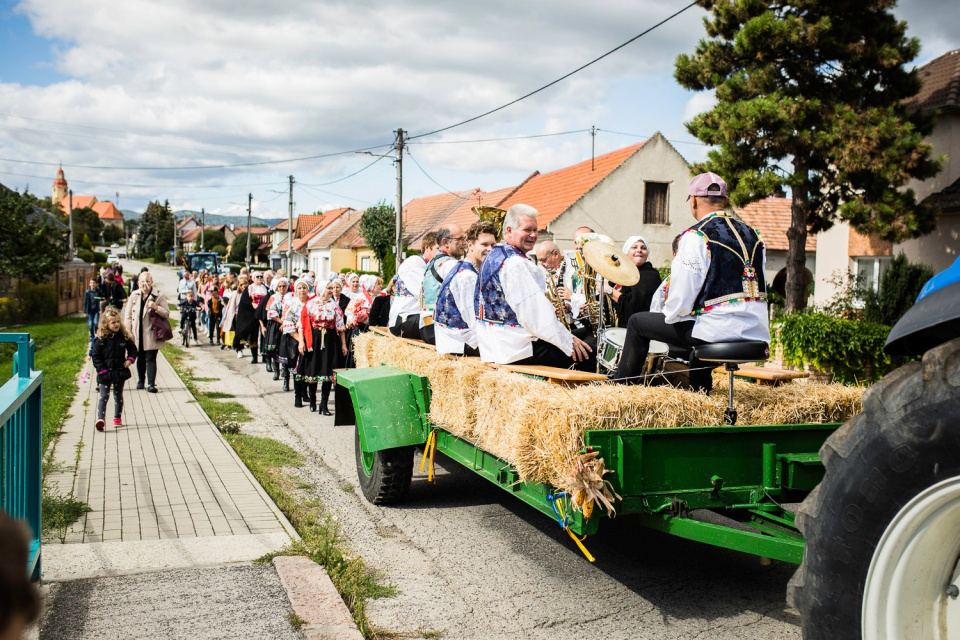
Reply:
x=59 y=187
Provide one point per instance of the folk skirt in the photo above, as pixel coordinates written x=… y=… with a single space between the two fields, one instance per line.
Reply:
x=318 y=365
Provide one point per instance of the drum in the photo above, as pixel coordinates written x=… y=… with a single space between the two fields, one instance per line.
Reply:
x=655 y=358
x=610 y=347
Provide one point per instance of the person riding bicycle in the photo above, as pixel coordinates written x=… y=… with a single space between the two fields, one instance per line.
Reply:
x=189 y=308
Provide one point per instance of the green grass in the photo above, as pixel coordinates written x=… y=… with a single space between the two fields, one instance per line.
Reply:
x=218 y=395
x=201 y=379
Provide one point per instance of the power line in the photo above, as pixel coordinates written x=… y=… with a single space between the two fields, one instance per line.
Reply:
x=423 y=171
x=530 y=137
x=198 y=167
x=560 y=79
x=637 y=135
x=323 y=184
x=336 y=195
x=149 y=186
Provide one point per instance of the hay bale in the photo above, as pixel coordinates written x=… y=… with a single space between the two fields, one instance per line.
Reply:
x=538 y=427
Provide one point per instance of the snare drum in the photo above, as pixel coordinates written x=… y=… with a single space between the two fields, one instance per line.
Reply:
x=610 y=347
x=655 y=357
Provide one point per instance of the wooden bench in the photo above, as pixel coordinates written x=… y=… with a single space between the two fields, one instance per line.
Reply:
x=769 y=375
x=555 y=375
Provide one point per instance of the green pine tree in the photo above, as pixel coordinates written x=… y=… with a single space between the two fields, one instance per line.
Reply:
x=810 y=97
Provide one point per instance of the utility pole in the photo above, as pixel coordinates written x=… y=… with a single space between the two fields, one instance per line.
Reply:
x=593 y=146
x=174 y=261
x=203 y=224
x=249 y=205
x=290 y=232
x=399 y=237
x=70 y=208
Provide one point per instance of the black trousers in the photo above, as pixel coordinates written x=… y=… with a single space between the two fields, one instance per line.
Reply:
x=548 y=355
x=646 y=326
x=147 y=363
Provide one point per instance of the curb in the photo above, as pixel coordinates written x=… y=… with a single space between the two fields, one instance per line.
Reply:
x=315 y=600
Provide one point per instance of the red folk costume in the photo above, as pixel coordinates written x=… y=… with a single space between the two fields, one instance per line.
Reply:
x=321 y=324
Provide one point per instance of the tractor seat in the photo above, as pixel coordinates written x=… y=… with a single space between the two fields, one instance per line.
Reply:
x=739 y=352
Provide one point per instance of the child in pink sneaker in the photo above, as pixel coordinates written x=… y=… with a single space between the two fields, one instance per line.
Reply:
x=113 y=352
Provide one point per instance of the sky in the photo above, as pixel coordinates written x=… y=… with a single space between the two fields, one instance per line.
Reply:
x=156 y=99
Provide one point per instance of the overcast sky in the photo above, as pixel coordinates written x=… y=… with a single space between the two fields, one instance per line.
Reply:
x=155 y=84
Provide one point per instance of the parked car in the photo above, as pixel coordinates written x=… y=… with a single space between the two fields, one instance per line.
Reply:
x=122 y=255
x=114 y=246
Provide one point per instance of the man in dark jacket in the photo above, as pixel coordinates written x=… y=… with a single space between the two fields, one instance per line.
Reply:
x=112 y=293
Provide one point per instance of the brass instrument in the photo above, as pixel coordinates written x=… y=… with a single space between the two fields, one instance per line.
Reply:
x=555 y=299
x=493 y=215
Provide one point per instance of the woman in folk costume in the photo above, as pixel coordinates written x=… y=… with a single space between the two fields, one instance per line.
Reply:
x=273 y=321
x=230 y=298
x=289 y=352
x=323 y=344
x=248 y=327
x=357 y=313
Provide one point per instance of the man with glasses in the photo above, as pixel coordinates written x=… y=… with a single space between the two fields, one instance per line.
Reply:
x=452 y=243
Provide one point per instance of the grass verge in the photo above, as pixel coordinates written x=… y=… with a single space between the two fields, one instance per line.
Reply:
x=272 y=464
x=60 y=346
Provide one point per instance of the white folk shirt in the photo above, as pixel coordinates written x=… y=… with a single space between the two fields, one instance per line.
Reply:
x=524 y=288
x=444 y=270
x=411 y=275
x=450 y=340
x=723 y=323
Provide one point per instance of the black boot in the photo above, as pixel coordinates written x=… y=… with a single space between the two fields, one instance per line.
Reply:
x=312 y=391
x=298 y=393
x=275 y=366
x=324 y=397
x=269 y=364
x=253 y=356
x=286 y=378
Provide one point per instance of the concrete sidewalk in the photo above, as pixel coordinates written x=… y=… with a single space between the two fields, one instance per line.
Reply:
x=176 y=521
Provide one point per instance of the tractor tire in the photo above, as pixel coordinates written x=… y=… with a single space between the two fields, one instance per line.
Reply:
x=881 y=469
x=384 y=475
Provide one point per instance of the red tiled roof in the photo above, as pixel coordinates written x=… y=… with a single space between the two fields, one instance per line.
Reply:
x=420 y=215
x=106 y=211
x=79 y=202
x=331 y=235
x=257 y=231
x=553 y=193
x=771 y=217
x=306 y=223
x=464 y=215
x=941 y=84
x=325 y=220
x=280 y=226
x=351 y=238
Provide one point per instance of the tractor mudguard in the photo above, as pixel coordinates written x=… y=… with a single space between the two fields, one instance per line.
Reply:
x=389 y=406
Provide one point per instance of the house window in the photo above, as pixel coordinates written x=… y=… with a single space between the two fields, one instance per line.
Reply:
x=364 y=264
x=870 y=270
x=655 y=203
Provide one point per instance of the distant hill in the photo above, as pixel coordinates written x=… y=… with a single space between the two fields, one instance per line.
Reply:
x=211 y=218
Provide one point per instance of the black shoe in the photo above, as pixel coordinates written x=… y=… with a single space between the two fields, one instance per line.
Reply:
x=286 y=384
x=276 y=373
x=211 y=341
x=298 y=402
x=140 y=384
x=269 y=364
x=222 y=346
x=151 y=389
x=325 y=412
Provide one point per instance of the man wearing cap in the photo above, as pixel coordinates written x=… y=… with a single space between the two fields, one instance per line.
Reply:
x=717 y=289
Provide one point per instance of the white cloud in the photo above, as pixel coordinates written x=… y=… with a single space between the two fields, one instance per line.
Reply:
x=698 y=103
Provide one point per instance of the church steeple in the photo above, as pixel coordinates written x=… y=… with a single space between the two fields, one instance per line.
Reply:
x=59 y=187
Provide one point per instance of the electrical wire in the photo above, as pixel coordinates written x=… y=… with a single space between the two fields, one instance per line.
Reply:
x=424 y=172
x=323 y=184
x=150 y=186
x=311 y=192
x=540 y=135
x=560 y=79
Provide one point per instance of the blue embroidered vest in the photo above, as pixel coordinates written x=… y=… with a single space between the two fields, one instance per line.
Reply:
x=488 y=299
x=736 y=263
x=446 y=312
x=431 y=284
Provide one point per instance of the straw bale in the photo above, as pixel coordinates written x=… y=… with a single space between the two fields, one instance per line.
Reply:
x=538 y=427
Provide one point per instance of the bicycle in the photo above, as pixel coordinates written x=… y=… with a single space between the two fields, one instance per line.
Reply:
x=186 y=324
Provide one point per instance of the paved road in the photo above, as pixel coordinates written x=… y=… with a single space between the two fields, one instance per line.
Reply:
x=474 y=562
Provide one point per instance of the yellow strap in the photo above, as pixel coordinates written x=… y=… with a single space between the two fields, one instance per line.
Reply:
x=428 y=452
x=580 y=544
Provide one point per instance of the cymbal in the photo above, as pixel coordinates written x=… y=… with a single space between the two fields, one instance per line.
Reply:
x=611 y=263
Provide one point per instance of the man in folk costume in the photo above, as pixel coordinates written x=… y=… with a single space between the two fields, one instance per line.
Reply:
x=454 y=317
x=551 y=259
x=451 y=245
x=717 y=289
x=516 y=324
x=408 y=287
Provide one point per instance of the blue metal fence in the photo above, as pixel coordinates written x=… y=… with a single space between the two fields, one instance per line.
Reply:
x=20 y=442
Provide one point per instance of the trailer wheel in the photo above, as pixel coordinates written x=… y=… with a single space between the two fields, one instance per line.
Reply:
x=883 y=527
x=384 y=475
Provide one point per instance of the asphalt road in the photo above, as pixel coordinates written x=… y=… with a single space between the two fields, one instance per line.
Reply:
x=474 y=562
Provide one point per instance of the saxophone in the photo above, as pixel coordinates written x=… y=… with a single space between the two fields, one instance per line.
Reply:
x=555 y=299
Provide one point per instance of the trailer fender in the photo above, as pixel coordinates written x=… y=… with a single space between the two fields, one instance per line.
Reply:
x=389 y=405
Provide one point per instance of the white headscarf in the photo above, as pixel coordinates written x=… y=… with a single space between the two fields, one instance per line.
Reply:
x=632 y=240
x=368 y=282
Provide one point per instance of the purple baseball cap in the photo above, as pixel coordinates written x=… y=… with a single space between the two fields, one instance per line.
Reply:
x=706 y=185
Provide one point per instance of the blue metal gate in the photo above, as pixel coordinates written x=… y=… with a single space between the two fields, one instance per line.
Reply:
x=20 y=443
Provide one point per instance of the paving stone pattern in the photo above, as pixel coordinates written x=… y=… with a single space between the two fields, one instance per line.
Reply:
x=166 y=473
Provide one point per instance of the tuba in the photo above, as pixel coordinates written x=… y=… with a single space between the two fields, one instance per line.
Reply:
x=591 y=290
x=493 y=215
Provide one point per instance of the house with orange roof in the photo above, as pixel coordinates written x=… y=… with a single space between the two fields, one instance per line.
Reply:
x=841 y=249
x=331 y=249
x=771 y=217
x=312 y=225
x=106 y=210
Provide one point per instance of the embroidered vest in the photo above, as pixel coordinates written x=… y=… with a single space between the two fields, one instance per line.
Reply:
x=736 y=263
x=489 y=302
x=432 y=284
x=447 y=313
